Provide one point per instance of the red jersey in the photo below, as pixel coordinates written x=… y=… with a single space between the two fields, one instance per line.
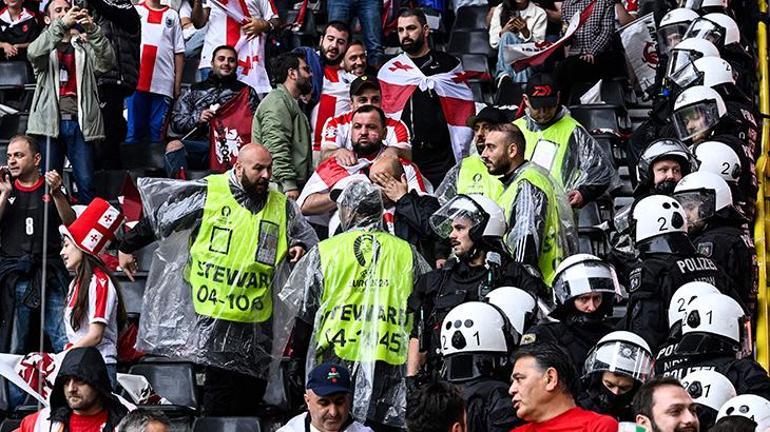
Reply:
x=78 y=423
x=575 y=420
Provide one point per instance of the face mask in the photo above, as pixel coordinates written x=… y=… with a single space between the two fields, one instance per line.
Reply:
x=610 y=402
x=665 y=187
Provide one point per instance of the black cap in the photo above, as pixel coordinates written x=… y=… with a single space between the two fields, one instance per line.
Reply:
x=541 y=91
x=329 y=378
x=363 y=82
x=488 y=114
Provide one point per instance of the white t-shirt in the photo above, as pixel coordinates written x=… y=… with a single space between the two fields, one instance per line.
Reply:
x=102 y=308
x=224 y=30
x=161 y=41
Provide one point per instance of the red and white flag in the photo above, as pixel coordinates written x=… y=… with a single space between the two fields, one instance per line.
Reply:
x=524 y=55
x=229 y=130
x=335 y=100
x=35 y=373
x=400 y=77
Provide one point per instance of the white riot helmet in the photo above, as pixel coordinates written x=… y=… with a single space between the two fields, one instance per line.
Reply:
x=683 y=55
x=715 y=323
x=702 y=6
x=657 y=215
x=710 y=71
x=486 y=218
x=708 y=388
x=475 y=335
x=718 y=158
x=623 y=353
x=518 y=306
x=673 y=26
x=661 y=149
x=702 y=194
x=717 y=28
x=581 y=274
x=682 y=298
x=697 y=110
x=753 y=407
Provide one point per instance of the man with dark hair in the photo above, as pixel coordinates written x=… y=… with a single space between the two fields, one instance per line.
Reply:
x=23 y=203
x=81 y=399
x=144 y=420
x=435 y=406
x=281 y=126
x=663 y=405
x=436 y=115
x=541 y=229
x=195 y=109
x=354 y=62
x=544 y=385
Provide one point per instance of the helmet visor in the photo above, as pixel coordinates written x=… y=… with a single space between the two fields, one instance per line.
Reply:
x=698 y=206
x=679 y=59
x=702 y=28
x=585 y=278
x=696 y=119
x=459 y=213
x=620 y=357
x=670 y=35
x=686 y=76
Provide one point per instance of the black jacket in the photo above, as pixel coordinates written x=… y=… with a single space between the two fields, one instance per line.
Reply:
x=575 y=337
x=488 y=406
x=123 y=28
x=746 y=375
x=87 y=365
x=411 y=223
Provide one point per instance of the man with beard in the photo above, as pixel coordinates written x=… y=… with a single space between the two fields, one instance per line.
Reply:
x=354 y=61
x=436 y=114
x=336 y=82
x=81 y=399
x=663 y=405
x=194 y=110
x=281 y=126
x=232 y=215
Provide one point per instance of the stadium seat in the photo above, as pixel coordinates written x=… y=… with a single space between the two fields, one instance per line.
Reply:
x=174 y=381
x=108 y=184
x=13 y=124
x=612 y=93
x=609 y=143
x=14 y=75
x=143 y=156
x=227 y=424
x=470 y=42
x=471 y=18
x=477 y=65
x=597 y=118
x=10 y=424
x=190 y=72
x=131 y=293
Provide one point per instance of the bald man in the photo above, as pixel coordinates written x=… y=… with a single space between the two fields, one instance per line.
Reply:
x=243 y=237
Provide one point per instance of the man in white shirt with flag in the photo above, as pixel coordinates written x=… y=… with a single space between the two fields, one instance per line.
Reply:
x=426 y=89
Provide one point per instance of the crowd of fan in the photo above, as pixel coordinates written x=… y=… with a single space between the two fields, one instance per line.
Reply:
x=495 y=317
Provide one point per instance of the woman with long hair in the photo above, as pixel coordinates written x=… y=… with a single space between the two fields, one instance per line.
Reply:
x=94 y=310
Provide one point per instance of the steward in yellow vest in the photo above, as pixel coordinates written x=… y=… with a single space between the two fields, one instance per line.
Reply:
x=564 y=148
x=225 y=244
x=541 y=227
x=352 y=292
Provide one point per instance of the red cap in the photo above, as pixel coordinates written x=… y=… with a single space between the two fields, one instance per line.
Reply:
x=95 y=228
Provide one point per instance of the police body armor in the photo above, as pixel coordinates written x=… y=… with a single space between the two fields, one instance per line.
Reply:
x=577 y=338
x=746 y=375
x=488 y=406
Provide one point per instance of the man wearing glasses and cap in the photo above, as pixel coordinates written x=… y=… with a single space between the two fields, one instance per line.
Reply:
x=329 y=398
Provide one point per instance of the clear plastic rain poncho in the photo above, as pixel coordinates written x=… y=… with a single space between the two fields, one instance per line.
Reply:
x=353 y=289
x=211 y=290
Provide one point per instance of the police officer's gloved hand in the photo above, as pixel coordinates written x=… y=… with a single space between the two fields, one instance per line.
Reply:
x=294 y=377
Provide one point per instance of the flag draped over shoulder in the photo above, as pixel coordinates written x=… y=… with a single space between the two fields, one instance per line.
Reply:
x=400 y=77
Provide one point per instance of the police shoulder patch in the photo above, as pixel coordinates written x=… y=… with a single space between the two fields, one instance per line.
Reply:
x=528 y=338
x=706 y=248
x=533 y=271
x=635 y=280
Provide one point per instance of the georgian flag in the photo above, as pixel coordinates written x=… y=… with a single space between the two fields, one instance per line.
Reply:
x=400 y=77
x=335 y=100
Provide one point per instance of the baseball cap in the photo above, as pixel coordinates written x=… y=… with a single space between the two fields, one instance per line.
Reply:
x=488 y=114
x=329 y=378
x=362 y=82
x=541 y=91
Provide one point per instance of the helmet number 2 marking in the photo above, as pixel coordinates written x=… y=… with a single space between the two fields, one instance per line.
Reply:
x=725 y=168
x=662 y=222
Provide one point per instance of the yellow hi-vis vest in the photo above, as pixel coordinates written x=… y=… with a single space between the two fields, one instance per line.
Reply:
x=234 y=256
x=474 y=178
x=551 y=252
x=549 y=147
x=367 y=280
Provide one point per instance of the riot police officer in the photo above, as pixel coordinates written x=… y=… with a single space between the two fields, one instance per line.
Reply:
x=474 y=225
x=716 y=335
x=710 y=390
x=751 y=406
x=476 y=342
x=715 y=228
x=667 y=260
x=614 y=370
x=584 y=290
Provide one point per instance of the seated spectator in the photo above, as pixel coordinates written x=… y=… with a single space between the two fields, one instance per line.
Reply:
x=160 y=76
x=663 y=405
x=329 y=399
x=94 y=308
x=514 y=22
x=143 y=420
x=354 y=60
x=197 y=107
x=281 y=126
x=81 y=399
x=544 y=384
x=18 y=28
x=364 y=90
x=72 y=117
x=435 y=406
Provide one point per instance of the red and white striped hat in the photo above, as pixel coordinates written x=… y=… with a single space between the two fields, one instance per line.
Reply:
x=95 y=228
